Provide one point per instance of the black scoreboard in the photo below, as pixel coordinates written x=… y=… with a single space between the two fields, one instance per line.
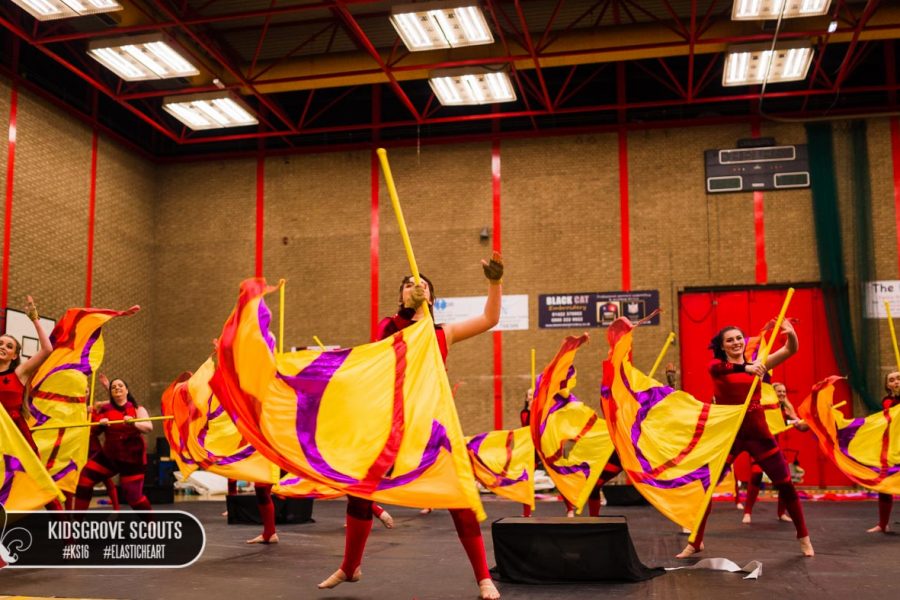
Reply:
x=757 y=169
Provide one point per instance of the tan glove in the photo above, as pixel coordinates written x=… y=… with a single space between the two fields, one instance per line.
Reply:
x=416 y=297
x=493 y=270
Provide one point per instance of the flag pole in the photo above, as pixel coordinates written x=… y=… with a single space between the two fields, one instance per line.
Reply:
x=662 y=353
x=319 y=342
x=142 y=419
x=716 y=472
x=533 y=375
x=281 y=317
x=398 y=211
x=887 y=308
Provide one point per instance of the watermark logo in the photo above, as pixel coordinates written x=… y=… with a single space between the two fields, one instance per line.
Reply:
x=99 y=539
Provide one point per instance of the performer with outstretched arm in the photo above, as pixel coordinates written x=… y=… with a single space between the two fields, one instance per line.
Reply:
x=359 y=510
x=732 y=378
x=15 y=374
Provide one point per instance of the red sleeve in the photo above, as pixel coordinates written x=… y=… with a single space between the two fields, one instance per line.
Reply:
x=889 y=401
x=525 y=417
x=719 y=368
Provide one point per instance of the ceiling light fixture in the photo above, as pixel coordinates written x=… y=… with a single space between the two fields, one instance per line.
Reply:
x=48 y=10
x=461 y=87
x=432 y=25
x=752 y=10
x=216 y=110
x=142 y=57
x=754 y=63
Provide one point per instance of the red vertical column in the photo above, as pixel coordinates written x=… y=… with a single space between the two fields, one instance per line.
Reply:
x=759 y=227
x=497 y=335
x=260 y=210
x=92 y=203
x=10 y=173
x=374 y=225
x=624 y=215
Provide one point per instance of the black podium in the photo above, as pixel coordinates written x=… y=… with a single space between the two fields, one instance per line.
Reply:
x=563 y=550
x=242 y=509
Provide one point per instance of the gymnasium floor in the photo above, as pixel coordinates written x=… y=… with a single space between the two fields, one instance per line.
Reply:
x=422 y=559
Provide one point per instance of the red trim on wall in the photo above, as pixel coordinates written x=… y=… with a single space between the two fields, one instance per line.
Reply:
x=260 y=208
x=497 y=247
x=92 y=204
x=10 y=172
x=374 y=225
x=895 y=159
x=624 y=216
x=759 y=225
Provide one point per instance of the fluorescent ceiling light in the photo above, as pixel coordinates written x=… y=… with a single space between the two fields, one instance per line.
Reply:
x=216 y=110
x=755 y=63
x=431 y=25
x=753 y=10
x=142 y=57
x=459 y=87
x=47 y=10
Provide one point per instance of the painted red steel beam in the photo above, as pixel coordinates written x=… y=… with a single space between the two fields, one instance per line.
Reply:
x=846 y=65
x=262 y=39
x=15 y=29
x=672 y=103
x=692 y=33
x=469 y=138
x=227 y=65
x=194 y=21
x=361 y=37
x=545 y=95
x=512 y=65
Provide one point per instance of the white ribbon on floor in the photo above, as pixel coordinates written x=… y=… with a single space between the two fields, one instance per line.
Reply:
x=752 y=568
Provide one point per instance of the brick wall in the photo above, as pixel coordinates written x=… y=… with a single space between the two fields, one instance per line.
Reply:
x=178 y=239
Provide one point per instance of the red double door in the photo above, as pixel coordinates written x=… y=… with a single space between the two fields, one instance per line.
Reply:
x=703 y=313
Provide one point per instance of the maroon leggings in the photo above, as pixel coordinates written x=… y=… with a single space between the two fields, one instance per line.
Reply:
x=359 y=524
x=755 y=439
x=99 y=468
x=885 y=504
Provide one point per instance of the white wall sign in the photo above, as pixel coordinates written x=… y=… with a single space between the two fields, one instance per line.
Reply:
x=877 y=292
x=513 y=313
x=19 y=326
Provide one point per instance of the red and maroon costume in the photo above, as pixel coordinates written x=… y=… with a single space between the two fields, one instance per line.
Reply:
x=12 y=396
x=124 y=452
x=359 y=510
x=731 y=383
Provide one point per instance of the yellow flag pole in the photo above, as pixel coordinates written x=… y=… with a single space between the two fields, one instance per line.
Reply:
x=662 y=353
x=93 y=384
x=281 y=317
x=533 y=376
x=714 y=476
x=42 y=427
x=319 y=342
x=398 y=211
x=887 y=308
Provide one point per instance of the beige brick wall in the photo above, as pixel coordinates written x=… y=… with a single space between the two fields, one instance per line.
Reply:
x=178 y=239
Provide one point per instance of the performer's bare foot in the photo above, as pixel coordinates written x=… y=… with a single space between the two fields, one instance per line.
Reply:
x=689 y=551
x=747 y=519
x=570 y=514
x=225 y=514
x=386 y=519
x=261 y=540
x=685 y=531
x=786 y=518
x=488 y=590
x=339 y=577
x=806 y=547
x=426 y=511
x=878 y=529
x=739 y=506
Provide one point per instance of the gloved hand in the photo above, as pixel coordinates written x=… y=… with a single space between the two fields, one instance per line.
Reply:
x=416 y=297
x=493 y=270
